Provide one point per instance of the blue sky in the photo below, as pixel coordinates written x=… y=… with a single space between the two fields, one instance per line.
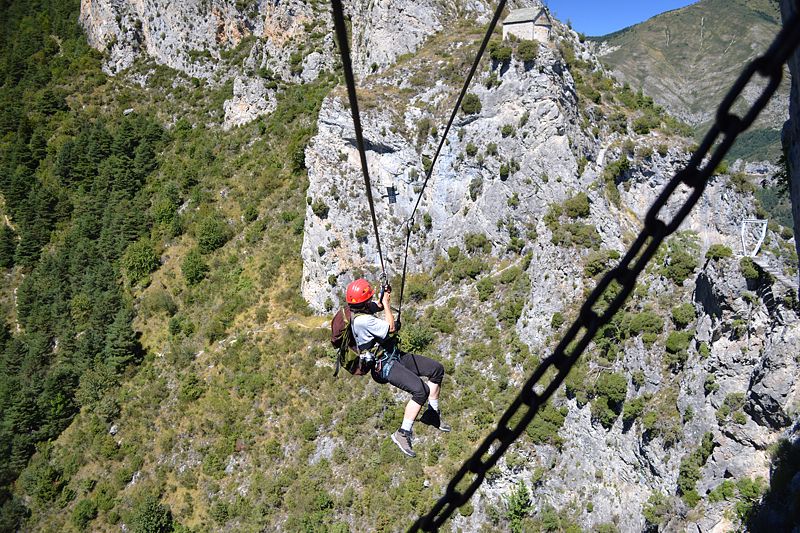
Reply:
x=597 y=17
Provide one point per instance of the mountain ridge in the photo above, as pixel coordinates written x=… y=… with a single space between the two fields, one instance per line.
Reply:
x=687 y=58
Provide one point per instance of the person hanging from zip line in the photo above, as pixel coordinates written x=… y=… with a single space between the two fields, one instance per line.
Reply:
x=374 y=338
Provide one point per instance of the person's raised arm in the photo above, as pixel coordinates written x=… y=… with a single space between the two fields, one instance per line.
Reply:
x=387 y=308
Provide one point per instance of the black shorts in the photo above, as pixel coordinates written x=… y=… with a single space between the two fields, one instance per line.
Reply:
x=406 y=372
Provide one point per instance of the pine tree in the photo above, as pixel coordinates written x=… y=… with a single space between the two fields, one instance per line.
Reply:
x=122 y=345
x=8 y=246
x=518 y=506
x=125 y=140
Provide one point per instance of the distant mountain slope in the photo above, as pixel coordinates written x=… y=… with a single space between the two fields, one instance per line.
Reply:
x=687 y=59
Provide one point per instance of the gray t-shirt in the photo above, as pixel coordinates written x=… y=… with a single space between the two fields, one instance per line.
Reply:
x=368 y=330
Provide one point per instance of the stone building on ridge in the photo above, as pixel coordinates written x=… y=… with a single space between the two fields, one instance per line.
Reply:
x=531 y=23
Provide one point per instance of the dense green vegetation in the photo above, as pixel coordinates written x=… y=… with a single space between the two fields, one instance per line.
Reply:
x=73 y=187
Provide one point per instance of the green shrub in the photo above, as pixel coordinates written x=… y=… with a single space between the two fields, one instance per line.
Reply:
x=471 y=149
x=643 y=124
x=741 y=183
x=441 y=319
x=193 y=267
x=527 y=51
x=616 y=168
x=611 y=386
x=633 y=409
x=139 y=260
x=748 y=269
x=710 y=384
x=716 y=252
x=724 y=491
x=689 y=471
x=500 y=52
x=681 y=266
x=609 y=391
x=453 y=253
x=598 y=261
x=683 y=315
x=577 y=206
x=320 y=208
x=638 y=379
x=485 y=288
x=576 y=385
x=518 y=506
x=704 y=349
x=156 y=301
x=85 y=511
x=507 y=130
x=657 y=509
x=477 y=242
x=732 y=404
x=544 y=427
x=151 y=516
x=504 y=172
x=557 y=320
x=576 y=234
x=510 y=310
x=645 y=322
x=415 y=337
x=212 y=234
x=471 y=104
x=677 y=345
x=419 y=287
x=475 y=187
x=191 y=388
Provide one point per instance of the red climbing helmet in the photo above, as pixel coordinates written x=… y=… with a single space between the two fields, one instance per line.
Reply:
x=359 y=291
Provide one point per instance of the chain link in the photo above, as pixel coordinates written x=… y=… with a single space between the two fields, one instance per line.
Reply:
x=617 y=284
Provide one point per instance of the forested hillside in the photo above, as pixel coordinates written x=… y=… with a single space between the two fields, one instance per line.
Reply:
x=94 y=188
x=168 y=234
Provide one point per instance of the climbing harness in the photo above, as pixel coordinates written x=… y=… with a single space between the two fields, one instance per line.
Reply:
x=617 y=284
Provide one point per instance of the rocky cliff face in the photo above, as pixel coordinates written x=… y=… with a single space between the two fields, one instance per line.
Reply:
x=254 y=43
x=535 y=144
x=536 y=101
x=258 y=42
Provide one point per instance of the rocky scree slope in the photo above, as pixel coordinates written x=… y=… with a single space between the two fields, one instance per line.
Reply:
x=534 y=195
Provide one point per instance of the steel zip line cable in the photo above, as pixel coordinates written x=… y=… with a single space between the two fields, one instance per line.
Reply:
x=344 y=49
x=410 y=221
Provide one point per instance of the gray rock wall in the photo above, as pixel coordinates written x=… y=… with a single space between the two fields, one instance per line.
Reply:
x=545 y=147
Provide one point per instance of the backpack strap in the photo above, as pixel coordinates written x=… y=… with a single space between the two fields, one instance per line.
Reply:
x=346 y=341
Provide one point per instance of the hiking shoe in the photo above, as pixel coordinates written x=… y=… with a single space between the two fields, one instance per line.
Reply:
x=402 y=438
x=432 y=417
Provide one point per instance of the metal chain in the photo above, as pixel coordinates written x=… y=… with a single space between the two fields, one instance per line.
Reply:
x=617 y=284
